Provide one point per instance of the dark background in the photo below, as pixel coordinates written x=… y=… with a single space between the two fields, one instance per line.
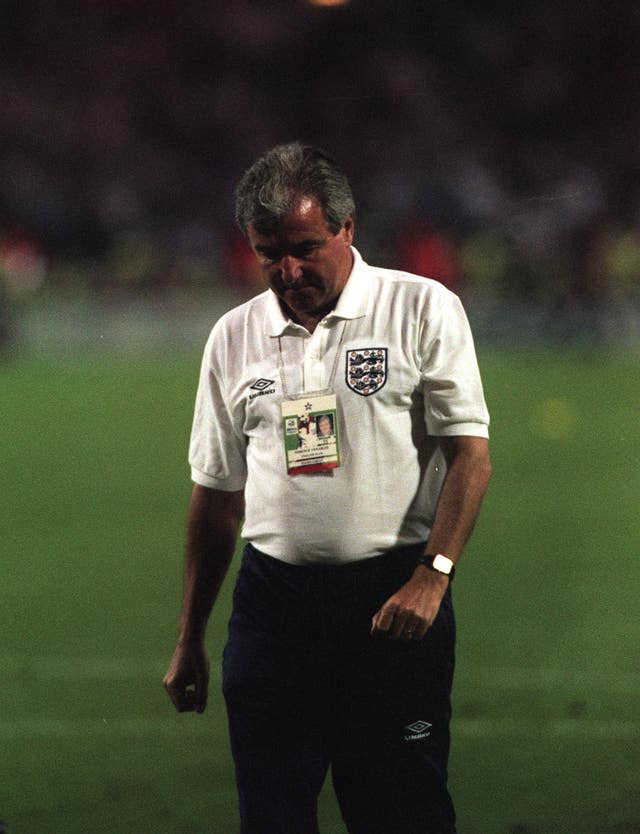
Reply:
x=492 y=146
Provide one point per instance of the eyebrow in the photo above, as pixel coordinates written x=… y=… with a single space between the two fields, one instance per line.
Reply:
x=311 y=243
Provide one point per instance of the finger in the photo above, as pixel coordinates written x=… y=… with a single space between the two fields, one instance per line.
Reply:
x=181 y=697
x=400 y=626
x=408 y=632
x=182 y=700
x=415 y=631
x=407 y=625
x=201 y=693
x=185 y=703
x=383 y=620
x=421 y=630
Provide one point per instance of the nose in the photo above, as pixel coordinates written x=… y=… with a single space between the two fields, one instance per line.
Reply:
x=290 y=269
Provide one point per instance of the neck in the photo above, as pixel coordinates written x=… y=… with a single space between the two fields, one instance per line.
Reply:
x=308 y=322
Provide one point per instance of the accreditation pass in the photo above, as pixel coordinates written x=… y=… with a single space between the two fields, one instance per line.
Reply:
x=311 y=434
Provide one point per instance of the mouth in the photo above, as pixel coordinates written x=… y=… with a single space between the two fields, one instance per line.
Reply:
x=299 y=299
x=299 y=289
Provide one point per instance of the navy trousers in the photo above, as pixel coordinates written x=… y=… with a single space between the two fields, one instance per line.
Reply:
x=307 y=687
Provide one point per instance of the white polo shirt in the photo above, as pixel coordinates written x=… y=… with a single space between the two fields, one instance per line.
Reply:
x=425 y=385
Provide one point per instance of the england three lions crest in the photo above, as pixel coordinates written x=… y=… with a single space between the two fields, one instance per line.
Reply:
x=366 y=370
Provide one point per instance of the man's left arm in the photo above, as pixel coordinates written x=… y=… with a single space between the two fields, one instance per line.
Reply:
x=409 y=613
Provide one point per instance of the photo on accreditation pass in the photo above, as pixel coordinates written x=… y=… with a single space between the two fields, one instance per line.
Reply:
x=311 y=441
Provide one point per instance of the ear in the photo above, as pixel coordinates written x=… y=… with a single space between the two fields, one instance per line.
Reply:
x=348 y=230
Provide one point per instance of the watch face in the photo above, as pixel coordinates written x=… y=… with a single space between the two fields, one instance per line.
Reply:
x=442 y=563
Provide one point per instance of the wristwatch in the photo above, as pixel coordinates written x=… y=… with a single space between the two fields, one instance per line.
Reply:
x=439 y=563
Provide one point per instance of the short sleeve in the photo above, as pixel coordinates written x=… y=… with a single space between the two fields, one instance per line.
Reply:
x=452 y=388
x=217 y=450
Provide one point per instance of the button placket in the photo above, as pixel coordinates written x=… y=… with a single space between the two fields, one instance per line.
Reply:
x=314 y=371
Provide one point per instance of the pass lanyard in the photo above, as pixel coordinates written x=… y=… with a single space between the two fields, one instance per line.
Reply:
x=332 y=375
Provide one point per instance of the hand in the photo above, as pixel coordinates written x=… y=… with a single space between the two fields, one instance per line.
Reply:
x=187 y=678
x=410 y=612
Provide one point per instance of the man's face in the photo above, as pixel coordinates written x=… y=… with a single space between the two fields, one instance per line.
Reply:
x=303 y=262
x=325 y=426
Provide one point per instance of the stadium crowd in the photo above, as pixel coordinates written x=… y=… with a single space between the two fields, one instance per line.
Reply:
x=495 y=148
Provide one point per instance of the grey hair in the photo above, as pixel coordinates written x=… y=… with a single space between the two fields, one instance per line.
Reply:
x=269 y=188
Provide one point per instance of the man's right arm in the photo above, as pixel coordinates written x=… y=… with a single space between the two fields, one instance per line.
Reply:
x=212 y=530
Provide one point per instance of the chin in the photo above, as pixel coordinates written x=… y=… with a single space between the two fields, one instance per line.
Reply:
x=306 y=301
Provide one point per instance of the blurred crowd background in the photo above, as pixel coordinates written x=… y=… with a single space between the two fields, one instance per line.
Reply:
x=493 y=146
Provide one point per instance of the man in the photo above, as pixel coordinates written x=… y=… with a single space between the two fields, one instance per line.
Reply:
x=341 y=642
x=325 y=427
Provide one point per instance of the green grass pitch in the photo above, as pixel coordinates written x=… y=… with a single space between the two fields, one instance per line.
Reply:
x=94 y=489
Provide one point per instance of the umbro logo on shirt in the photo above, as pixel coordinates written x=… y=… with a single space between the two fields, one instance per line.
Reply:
x=261 y=384
x=261 y=387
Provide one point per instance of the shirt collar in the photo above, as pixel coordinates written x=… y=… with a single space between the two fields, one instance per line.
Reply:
x=353 y=302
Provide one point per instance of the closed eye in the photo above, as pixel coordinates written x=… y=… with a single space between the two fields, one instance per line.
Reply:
x=304 y=250
x=300 y=251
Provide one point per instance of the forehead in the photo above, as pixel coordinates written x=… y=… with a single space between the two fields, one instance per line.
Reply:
x=305 y=221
